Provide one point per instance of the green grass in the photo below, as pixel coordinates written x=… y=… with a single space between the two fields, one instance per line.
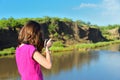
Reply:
x=59 y=47
x=83 y=46
x=7 y=51
x=95 y=45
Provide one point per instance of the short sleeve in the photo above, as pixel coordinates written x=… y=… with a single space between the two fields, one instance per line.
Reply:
x=32 y=50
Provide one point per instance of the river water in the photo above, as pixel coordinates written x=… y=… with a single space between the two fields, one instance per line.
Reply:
x=102 y=64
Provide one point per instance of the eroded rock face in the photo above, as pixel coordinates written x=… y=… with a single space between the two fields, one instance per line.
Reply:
x=8 y=38
x=115 y=33
x=91 y=34
x=77 y=33
x=68 y=32
x=95 y=35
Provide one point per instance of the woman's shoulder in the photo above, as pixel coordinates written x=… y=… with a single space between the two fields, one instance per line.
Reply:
x=25 y=46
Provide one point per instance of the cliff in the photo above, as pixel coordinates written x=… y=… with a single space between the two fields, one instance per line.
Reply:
x=68 y=32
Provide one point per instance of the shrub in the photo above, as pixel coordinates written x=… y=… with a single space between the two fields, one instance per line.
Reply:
x=58 y=44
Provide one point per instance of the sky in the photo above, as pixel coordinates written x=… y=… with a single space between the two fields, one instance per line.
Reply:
x=99 y=12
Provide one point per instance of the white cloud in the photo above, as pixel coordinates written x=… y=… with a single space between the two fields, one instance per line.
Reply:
x=108 y=11
x=111 y=7
x=111 y=4
x=85 y=5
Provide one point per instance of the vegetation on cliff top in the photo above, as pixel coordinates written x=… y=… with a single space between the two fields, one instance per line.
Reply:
x=64 y=31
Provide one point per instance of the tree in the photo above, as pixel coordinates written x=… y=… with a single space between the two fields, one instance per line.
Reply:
x=13 y=23
x=4 y=23
x=66 y=20
x=46 y=19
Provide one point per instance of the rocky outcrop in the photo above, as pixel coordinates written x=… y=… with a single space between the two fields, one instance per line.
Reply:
x=88 y=33
x=8 y=38
x=114 y=33
x=74 y=32
x=69 y=32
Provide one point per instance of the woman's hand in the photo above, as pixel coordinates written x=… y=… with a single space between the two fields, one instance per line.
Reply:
x=49 y=43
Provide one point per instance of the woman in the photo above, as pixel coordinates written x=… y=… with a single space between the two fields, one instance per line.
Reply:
x=28 y=52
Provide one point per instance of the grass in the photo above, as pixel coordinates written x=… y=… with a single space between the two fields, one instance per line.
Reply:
x=83 y=46
x=61 y=48
x=7 y=51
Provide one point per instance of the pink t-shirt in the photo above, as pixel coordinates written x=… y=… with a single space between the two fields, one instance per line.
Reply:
x=28 y=68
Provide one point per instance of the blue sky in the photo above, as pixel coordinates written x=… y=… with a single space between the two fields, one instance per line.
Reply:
x=100 y=12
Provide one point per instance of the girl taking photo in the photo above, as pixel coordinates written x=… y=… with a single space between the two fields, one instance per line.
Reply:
x=28 y=52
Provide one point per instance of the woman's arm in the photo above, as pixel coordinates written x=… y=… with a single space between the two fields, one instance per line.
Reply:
x=44 y=61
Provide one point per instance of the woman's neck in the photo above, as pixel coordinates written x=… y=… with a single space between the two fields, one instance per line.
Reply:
x=21 y=45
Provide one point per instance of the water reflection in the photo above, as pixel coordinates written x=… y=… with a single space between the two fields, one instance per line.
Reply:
x=66 y=62
x=111 y=47
x=8 y=69
x=114 y=47
x=99 y=64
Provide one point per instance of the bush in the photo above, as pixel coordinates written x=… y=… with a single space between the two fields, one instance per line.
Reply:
x=58 y=44
x=7 y=51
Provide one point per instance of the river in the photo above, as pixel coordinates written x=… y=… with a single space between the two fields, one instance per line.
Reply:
x=101 y=64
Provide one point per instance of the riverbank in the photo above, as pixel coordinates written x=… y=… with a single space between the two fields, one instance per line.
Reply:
x=84 y=46
x=62 y=48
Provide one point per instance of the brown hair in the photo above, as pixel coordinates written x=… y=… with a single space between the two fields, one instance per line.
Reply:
x=31 y=34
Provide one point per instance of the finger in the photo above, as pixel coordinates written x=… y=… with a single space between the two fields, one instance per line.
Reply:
x=50 y=40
